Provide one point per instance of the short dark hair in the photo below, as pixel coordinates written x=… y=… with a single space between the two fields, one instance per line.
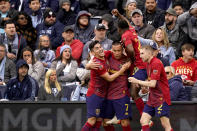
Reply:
x=116 y=42
x=3 y=45
x=92 y=44
x=8 y=22
x=27 y=48
x=177 y=4
x=187 y=46
x=29 y=1
x=122 y=24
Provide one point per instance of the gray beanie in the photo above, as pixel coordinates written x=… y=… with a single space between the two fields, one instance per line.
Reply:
x=63 y=1
x=130 y=1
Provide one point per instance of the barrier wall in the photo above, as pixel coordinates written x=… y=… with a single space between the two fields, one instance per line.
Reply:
x=70 y=116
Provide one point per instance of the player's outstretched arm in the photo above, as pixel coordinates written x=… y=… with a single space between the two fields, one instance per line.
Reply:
x=151 y=83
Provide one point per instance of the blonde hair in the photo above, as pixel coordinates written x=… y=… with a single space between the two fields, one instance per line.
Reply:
x=172 y=70
x=165 y=40
x=40 y=40
x=47 y=79
x=127 y=11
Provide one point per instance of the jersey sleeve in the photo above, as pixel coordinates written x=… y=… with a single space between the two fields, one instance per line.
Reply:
x=126 y=40
x=156 y=71
x=101 y=70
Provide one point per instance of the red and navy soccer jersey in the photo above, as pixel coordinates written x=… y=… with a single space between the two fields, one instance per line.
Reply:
x=97 y=84
x=130 y=37
x=161 y=93
x=119 y=87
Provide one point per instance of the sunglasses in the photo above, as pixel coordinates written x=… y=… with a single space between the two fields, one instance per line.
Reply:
x=49 y=16
x=167 y=73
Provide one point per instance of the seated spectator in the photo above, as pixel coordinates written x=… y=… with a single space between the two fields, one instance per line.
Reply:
x=143 y=29
x=187 y=21
x=186 y=66
x=65 y=15
x=178 y=7
x=129 y=7
x=6 y=14
x=161 y=38
x=83 y=29
x=187 y=3
x=51 y=89
x=35 y=12
x=100 y=35
x=7 y=66
x=176 y=35
x=24 y=27
x=152 y=14
x=52 y=28
x=177 y=90
x=65 y=66
x=22 y=87
x=14 y=43
x=44 y=53
x=36 y=68
x=76 y=45
x=112 y=31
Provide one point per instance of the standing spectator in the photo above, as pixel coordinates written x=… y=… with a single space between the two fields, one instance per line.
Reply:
x=22 y=87
x=161 y=38
x=52 y=28
x=112 y=31
x=65 y=15
x=83 y=29
x=175 y=34
x=51 y=89
x=36 y=68
x=14 y=42
x=143 y=29
x=187 y=22
x=178 y=7
x=65 y=66
x=6 y=13
x=187 y=65
x=7 y=66
x=153 y=15
x=44 y=52
x=76 y=45
x=129 y=7
x=100 y=35
x=177 y=91
x=25 y=28
x=35 y=12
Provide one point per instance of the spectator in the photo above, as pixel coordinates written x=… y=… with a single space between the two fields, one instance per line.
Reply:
x=100 y=35
x=143 y=29
x=14 y=43
x=112 y=31
x=187 y=22
x=178 y=7
x=7 y=67
x=177 y=90
x=52 y=28
x=44 y=52
x=65 y=66
x=161 y=38
x=22 y=87
x=129 y=7
x=153 y=15
x=51 y=89
x=25 y=28
x=6 y=13
x=65 y=15
x=83 y=29
x=187 y=3
x=76 y=45
x=36 y=68
x=35 y=12
x=175 y=34
x=187 y=65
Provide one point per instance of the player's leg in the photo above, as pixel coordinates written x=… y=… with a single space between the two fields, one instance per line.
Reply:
x=98 y=124
x=165 y=121
x=89 y=125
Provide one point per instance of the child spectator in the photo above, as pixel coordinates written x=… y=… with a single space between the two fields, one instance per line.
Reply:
x=178 y=7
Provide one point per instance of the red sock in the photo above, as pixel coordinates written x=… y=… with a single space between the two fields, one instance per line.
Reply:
x=145 y=128
x=140 y=105
x=126 y=128
x=109 y=128
x=97 y=126
x=87 y=127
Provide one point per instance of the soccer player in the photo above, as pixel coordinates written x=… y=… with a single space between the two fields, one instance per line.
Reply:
x=159 y=95
x=98 y=87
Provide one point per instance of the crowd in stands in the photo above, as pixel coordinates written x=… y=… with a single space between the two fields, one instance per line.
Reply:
x=44 y=44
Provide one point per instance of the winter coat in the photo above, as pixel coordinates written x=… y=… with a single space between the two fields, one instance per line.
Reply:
x=10 y=70
x=145 y=31
x=66 y=18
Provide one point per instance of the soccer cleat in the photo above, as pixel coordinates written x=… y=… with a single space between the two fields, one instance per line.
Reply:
x=114 y=120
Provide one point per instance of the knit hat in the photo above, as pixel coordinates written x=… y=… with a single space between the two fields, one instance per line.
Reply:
x=48 y=12
x=63 y=1
x=130 y=1
x=65 y=47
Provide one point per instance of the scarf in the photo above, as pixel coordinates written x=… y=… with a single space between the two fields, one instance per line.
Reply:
x=67 y=69
x=2 y=68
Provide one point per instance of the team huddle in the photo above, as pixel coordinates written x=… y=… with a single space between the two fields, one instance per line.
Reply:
x=128 y=66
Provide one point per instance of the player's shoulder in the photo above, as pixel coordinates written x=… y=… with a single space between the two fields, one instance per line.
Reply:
x=156 y=61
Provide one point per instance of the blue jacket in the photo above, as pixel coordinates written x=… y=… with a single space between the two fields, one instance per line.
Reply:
x=177 y=90
x=25 y=90
x=54 y=32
